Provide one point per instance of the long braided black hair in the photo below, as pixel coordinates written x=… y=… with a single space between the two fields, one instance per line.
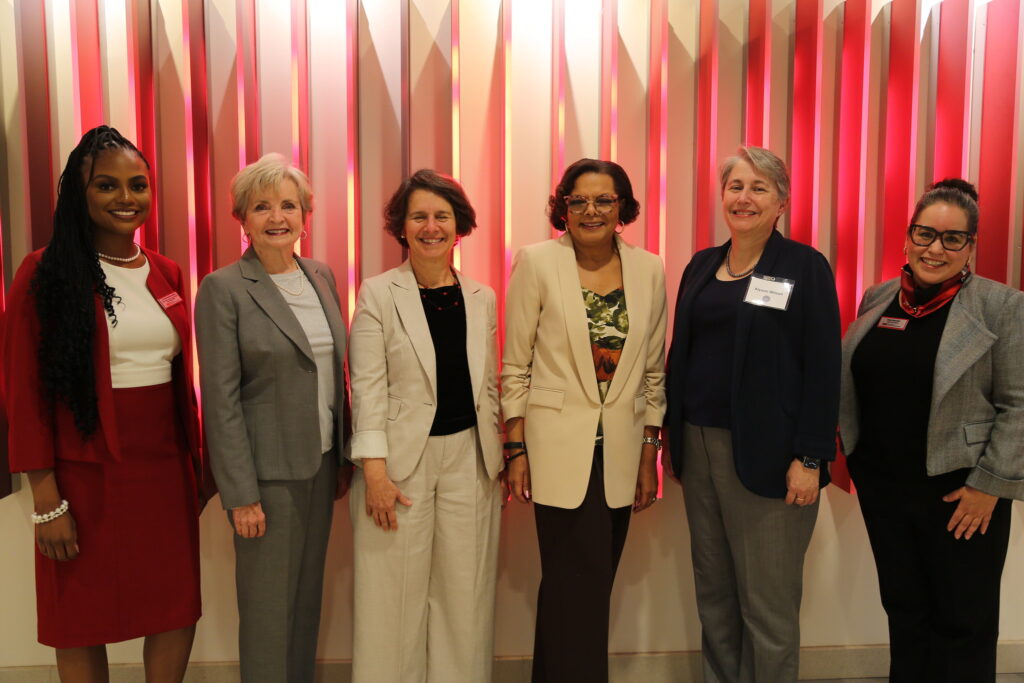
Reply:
x=68 y=276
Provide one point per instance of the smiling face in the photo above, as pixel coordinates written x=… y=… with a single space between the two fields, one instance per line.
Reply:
x=934 y=264
x=274 y=218
x=429 y=227
x=593 y=228
x=750 y=202
x=118 y=196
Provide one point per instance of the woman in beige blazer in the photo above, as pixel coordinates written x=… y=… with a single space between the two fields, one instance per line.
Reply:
x=425 y=500
x=583 y=399
x=932 y=421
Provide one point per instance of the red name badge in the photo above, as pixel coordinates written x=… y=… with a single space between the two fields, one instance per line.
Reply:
x=169 y=300
x=888 y=323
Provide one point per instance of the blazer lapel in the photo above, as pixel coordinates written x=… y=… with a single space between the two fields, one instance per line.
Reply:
x=576 y=323
x=332 y=310
x=745 y=316
x=174 y=308
x=638 y=308
x=476 y=330
x=104 y=385
x=964 y=340
x=406 y=294
x=264 y=292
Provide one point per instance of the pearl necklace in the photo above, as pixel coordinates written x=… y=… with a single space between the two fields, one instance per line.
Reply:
x=118 y=259
x=302 y=282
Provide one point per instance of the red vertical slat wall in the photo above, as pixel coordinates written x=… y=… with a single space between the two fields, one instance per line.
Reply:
x=558 y=79
x=140 y=67
x=759 y=79
x=953 y=89
x=657 y=127
x=997 y=176
x=806 y=130
x=707 y=123
x=851 y=172
x=900 y=130
x=608 y=144
x=85 y=34
x=300 y=95
x=203 y=242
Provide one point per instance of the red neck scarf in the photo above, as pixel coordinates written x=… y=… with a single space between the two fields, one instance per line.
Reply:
x=947 y=290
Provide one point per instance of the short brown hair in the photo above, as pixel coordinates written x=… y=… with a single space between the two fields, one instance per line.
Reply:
x=445 y=187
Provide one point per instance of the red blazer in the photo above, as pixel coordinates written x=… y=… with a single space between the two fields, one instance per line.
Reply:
x=34 y=441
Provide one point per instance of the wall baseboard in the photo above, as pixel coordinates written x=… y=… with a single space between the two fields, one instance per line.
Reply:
x=867 y=661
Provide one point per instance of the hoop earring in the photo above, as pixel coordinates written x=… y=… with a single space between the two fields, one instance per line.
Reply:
x=618 y=230
x=304 y=234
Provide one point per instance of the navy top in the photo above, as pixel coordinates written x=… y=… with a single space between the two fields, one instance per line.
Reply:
x=446 y=317
x=708 y=377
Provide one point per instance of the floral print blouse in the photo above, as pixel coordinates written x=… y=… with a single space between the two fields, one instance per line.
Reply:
x=609 y=325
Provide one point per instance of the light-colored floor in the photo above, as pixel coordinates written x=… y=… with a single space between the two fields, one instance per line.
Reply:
x=1001 y=678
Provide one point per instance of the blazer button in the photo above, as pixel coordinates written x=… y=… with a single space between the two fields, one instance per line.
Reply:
x=309 y=371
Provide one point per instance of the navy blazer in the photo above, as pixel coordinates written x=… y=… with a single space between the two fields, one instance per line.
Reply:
x=786 y=367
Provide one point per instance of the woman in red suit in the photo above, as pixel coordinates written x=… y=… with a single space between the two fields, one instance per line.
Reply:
x=97 y=375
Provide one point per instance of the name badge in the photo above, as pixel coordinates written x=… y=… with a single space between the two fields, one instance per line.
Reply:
x=769 y=291
x=169 y=300
x=889 y=323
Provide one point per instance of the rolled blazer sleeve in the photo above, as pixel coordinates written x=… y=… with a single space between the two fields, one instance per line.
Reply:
x=822 y=364
x=1000 y=470
x=654 y=374
x=522 y=314
x=220 y=372
x=368 y=369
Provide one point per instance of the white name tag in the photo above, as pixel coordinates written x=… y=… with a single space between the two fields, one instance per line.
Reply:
x=890 y=323
x=769 y=291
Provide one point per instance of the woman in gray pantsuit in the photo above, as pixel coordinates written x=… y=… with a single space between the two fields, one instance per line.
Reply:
x=271 y=348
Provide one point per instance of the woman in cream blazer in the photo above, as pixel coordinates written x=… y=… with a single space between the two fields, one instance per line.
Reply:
x=425 y=500
x=583 y=399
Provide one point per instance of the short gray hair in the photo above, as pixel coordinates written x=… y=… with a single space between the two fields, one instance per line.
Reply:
x=270 y=171
x=764 y=162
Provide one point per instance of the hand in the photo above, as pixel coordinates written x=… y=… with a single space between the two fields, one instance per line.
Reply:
x=58 y=538
x=666 y=458
x=801 y=485
x=972 y=514
x=506 y=488
x=646 y=480
x=343 y=480
x=381 y=494
x=519 y=478
x=249 y=520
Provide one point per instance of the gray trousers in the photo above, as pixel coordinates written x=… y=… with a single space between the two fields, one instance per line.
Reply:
x=748 y=557
x=280 y=576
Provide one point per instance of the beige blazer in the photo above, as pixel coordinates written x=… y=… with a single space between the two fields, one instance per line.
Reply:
x=394 y=372
x=548 y=375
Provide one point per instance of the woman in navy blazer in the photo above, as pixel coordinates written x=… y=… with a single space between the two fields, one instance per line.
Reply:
x=753 y=401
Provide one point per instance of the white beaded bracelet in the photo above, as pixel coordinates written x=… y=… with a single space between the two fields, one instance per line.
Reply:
x=51 y=515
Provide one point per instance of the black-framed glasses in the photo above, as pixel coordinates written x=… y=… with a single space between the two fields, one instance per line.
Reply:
x=603 y=204
x=952 y=240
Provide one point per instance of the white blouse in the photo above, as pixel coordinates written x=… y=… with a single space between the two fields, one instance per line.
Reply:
x=144 y=341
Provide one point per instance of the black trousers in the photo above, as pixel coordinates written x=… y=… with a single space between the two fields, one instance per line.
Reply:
x=579 y=555
x=941 y=594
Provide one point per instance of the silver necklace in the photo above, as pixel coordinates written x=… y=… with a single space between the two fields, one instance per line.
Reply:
x=118 y=259
x=737 y=276
x=302 y=282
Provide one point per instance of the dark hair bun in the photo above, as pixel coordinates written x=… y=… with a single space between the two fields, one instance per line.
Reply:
x=958 y=184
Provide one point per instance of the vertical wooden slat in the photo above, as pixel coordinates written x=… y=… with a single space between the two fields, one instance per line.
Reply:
x=200 y=161
x=953 y=89
x=300 y=98
x=85 y=37
x=559 y=76
x=759 y=73
x=806 y=131
x=997 y=179
x=248 y=81
x=707 y=124
x=608 y=148
x=352 y=183
x=900 y=129
x=657 y=129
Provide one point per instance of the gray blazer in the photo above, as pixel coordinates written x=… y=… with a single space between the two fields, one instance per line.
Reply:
x=258 y=378
x=977 y=411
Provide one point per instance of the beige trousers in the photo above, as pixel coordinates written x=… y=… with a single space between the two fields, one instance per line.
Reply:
x=424 y=594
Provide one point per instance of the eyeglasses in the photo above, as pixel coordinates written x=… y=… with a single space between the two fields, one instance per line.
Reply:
x=952 y=240
x=603 y=204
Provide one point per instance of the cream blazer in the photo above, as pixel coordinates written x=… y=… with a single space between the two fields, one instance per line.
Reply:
x=548 y=375
x=394 y=372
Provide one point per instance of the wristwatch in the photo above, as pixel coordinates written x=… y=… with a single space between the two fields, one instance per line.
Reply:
x=653 y=440
x=811 y=463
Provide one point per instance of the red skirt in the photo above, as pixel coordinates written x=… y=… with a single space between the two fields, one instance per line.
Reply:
x=137 y=572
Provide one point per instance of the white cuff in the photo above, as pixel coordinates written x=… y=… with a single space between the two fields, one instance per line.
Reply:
x=369 y=444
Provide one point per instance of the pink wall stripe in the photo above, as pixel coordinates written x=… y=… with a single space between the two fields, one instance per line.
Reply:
x=31 y=19
x=608 y=144
x=456 y=113
x=300 y=98
x=248 y=84
x=707 y=124
x=88 y=72
x=806 y=131
x=200 y=161
x=999 y=134
x=900 y=130
x=953 y=89
x=657 y=126
x=353 y=228
x=558 y=78
x=141 y=66
x=759 y=73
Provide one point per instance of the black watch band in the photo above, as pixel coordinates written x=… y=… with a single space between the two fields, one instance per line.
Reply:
x=811 y=463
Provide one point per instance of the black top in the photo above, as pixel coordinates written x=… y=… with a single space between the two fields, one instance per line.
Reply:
x=784 y=391
x=893 y=372
x=708 y=377
x=446 y=317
